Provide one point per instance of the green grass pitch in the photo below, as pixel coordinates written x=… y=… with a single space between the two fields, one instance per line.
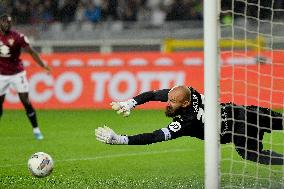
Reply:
x=83 y=162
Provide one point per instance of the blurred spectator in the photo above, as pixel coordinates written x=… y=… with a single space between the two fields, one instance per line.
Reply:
x=21 y=12
x=153 y=11
x=144 y=12
x=193 y=10
x=47 y=14
x=79 y=14
x=105 y=10
x=67 y=11
x=130 y=10
x=226 y=19
x=176 y=11
x=92 y=12
x=158 y=16
x=5 y=6
x=112 y=9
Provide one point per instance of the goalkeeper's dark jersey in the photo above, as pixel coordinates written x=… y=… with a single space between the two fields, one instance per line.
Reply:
x=190 y=120
x=251 y=120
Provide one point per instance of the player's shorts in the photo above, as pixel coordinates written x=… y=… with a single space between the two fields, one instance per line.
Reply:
x=18 y=81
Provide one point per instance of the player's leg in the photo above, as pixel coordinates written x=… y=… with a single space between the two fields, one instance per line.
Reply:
x=240 y=131
x=4 y=85
x=277 y=121
x=20 y=83
x=268 y=119
x=264 y=120
x=251 y=148
x=271 y=158
x=266 y=157
x=246 y=147
x=2 y=98
x=31 y=114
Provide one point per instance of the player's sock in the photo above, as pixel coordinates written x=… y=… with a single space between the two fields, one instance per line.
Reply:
x=33 y=119
x=36 y=130
x=32 y=116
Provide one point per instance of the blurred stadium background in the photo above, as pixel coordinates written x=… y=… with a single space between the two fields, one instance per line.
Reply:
x=138 y=34
x=112 y=25
x=105 y=50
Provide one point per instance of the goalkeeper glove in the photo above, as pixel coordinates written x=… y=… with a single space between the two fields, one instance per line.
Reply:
x=108 y=136
x=123 y=107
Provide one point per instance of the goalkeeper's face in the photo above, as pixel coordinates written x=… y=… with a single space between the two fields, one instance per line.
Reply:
x=176 y=101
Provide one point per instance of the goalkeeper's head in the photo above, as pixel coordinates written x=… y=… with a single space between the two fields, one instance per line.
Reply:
x=179 y=98
x=5 y=22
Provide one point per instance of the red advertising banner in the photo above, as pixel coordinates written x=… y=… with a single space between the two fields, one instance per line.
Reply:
x=93 y=80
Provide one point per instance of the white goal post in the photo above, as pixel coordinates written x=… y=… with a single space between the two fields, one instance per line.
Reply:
x=211 y=92
x=247 y=72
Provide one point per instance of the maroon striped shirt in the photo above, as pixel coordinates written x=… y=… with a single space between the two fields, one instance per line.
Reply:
x=10 y=50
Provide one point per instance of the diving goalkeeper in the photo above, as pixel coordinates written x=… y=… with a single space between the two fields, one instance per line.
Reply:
x=242 y=125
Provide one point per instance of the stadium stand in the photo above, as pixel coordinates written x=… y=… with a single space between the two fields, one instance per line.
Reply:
x=117 y=20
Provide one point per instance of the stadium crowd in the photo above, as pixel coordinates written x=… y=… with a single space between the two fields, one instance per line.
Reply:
x=66 y=11
x=37 y=11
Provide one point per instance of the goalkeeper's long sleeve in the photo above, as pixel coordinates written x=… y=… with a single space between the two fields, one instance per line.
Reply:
x=147 y=138
x=157 y=95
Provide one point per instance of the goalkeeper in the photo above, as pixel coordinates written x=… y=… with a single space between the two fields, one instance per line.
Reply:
x=242 y=125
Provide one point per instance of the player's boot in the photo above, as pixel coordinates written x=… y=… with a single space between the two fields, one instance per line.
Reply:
x=37 y=134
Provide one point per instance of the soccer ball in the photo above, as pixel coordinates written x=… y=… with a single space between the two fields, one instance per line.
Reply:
x=40 y=164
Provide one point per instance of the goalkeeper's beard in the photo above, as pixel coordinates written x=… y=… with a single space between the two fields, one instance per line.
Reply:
x=170 y=112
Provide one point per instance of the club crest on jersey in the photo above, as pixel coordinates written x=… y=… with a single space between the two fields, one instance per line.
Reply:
x=11 y=41
x=175 y=126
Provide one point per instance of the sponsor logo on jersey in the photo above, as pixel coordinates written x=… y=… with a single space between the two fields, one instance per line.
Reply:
x=175 y=126
x=195 y=103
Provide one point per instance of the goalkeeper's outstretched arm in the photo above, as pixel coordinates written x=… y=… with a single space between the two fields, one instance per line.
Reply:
x=156 y=95
x=108 y=136
x=125 y=107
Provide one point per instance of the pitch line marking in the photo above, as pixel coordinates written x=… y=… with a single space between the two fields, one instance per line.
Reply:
x=107 y=156
x=124 y=155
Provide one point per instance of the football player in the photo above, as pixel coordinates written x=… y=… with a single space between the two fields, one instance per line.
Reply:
x=12 y=71
x=242 y=125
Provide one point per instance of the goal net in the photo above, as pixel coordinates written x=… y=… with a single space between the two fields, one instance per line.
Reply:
x=252 y=73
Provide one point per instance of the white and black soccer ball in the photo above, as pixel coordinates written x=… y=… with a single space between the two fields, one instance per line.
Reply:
x=40 y=164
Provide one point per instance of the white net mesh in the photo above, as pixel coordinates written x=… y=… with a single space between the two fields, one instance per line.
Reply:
x=252 y=73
